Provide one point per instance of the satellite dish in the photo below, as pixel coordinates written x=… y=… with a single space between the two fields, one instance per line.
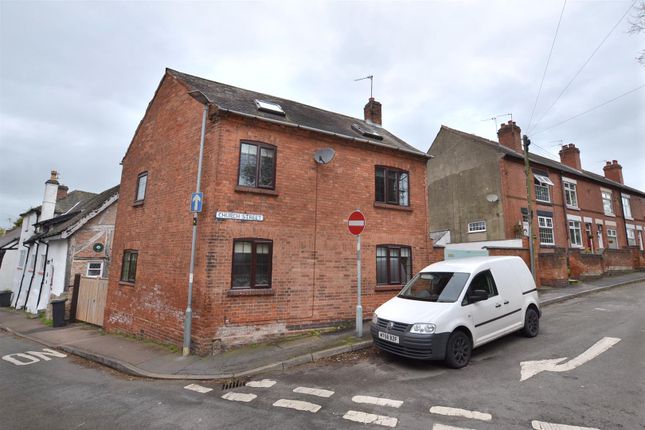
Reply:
x=492 y=198
x=324 y=155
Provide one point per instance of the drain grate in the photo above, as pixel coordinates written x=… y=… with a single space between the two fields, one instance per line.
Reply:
x=233 y=383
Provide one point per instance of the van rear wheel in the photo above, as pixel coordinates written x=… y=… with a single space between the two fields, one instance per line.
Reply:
x=458 y=350
x=531 y=323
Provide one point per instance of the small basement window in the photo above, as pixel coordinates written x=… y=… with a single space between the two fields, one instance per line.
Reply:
x=366 y=132
x=269 y=107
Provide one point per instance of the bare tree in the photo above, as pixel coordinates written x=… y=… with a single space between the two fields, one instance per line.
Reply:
x=637 y=26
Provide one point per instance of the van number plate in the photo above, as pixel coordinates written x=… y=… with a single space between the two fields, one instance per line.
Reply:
x=389 y=337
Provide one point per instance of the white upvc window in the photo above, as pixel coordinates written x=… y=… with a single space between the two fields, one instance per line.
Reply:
x=546 y=230
x=477 y=227
x=542 y=188
x=607 y=205
x=575 y=233
x=570 y=194
x=627 y=209
x=95 y=269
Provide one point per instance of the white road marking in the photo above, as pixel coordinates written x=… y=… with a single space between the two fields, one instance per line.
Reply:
x=601 y=309
x=198 y=388
x=32 y=357
x=379 y=401
x=532 y=368
x=298 y=405
x=541 y=425
x=43 y=355
x=314 y=391
x=365 y=418
x=239 y=397
x=456 y=412
x=12 y=358
x=264 y=383
x=438 y=426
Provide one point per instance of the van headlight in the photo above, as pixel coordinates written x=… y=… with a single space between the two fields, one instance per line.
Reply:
x=423 y=328
x=374 y=318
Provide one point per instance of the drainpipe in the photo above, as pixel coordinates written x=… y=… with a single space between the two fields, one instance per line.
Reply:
x=22 y=279
x=42 y=281
x=33 y=274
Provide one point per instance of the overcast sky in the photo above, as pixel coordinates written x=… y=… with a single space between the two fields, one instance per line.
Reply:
x=76 y=77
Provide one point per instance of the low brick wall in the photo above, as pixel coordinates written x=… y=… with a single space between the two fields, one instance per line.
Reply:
x=617 y=260
x=523 y=253
x=585 y=265
x=553 y=268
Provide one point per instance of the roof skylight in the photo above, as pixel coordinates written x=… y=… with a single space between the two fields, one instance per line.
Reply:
x=366 y=132
x=270 y=107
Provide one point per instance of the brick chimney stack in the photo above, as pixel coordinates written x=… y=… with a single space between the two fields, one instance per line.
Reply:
x=372 y=111
x=509 y=136
x=570 y=156
x=614 y=171
x=62 y=192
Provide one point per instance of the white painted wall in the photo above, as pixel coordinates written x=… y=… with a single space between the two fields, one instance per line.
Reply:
x=52 y=279
x=27 y=230
x=8 y=269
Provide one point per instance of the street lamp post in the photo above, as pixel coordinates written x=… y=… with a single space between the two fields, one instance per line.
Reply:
x=200 y=97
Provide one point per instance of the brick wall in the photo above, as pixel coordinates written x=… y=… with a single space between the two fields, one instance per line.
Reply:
x=585 y=265
x=314 y=266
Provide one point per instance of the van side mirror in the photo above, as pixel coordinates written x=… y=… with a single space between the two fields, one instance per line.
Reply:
x=477 y=296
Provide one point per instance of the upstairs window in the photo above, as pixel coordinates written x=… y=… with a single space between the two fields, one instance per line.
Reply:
x=142 y=182
x=129 y=266
x=627 y=209
x=252 y=263
x=631 y=235
x=607 y=205
x=392 y=186
x=570 y=194
x=393 y=264
x=257 y=165
x=542 y=188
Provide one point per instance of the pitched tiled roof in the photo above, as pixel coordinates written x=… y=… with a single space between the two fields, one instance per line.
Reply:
x=64 y=205
x=543 y=160
x=10 y=237
x=58 y=225
x=242 y=102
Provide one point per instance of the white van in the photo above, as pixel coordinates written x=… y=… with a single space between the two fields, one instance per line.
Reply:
x=453 y=306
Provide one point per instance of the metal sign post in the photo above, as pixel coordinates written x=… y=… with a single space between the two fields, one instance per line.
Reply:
x=356 y=224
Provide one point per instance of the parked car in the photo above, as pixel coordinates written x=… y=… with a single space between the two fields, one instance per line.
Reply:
x=453 y=306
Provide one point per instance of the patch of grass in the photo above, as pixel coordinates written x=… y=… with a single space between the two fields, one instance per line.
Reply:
x=44 y=320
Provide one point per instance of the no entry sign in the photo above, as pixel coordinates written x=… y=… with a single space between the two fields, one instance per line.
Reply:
x=356 y=223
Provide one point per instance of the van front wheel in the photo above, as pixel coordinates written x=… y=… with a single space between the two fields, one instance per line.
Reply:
x=458 y=350
x=531 y=323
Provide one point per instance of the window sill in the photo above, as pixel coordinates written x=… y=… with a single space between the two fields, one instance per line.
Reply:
x=388 y=288
x=126 y=283
x=611 y=215
x=544 y=202
x=573 y=208
x=395 y=207
x=262 y=191
x=138 y=203
x=250 y=292
x=479 y=231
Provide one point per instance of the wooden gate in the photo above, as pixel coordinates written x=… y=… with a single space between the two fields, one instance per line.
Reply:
x=91 y=300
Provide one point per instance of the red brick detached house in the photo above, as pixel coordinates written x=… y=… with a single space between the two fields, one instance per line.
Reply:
x=273 y=252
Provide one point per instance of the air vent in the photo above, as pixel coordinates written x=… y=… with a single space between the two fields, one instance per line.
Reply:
x=270 y=107
x=366 y=132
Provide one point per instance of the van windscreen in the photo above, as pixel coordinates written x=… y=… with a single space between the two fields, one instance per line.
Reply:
x=435 y=287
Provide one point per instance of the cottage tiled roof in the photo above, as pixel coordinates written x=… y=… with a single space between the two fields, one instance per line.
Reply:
x=543 y=160
x=60 y=224
x=64 y=205
x=10 y=238
x=242 y=102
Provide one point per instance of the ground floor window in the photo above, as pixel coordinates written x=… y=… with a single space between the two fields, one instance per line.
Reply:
x=546 y=230
x=129 y=266
x=95 y=269
x=575 y=233
x=631 y=237
x=252 y=263
x=393 y=264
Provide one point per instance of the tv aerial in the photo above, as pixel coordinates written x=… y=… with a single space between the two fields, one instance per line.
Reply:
x=494 y=118
x=371 y=78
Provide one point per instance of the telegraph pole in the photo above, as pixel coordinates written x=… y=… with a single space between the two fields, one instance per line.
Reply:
x=527 y=170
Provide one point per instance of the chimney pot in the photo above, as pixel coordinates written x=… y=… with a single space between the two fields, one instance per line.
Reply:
x=613 y=171
x=570 y=156
x=509 y=136
x=373 y=112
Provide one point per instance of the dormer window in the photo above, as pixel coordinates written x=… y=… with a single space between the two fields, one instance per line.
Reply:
x=366 y=132
x=270 y=107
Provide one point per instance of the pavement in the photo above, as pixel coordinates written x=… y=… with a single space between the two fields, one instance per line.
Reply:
x=150 y=360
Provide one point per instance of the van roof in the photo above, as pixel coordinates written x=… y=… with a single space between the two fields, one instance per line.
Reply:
x=467 y=265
